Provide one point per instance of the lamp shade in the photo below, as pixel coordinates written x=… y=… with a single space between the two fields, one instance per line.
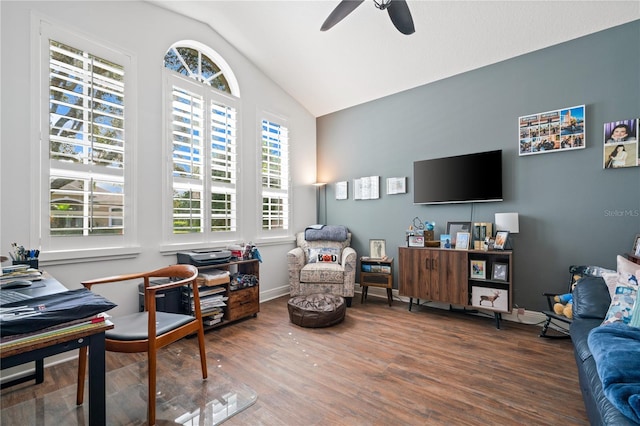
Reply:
x=507 y=222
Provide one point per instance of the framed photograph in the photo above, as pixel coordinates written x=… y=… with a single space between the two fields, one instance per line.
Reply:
x=416 y=240
x=478 y=269
x=621 y=144
x=454 y=227
x=445 y=241
x=500 y=271
x=462 y=240
x=396 y=185
x=342 y=190
x=377 y=249
x=501 y=240
x=636 y=245
x=490 y=298
x=552 y=131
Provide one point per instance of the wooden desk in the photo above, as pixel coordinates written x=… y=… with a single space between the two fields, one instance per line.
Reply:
x=37 y=349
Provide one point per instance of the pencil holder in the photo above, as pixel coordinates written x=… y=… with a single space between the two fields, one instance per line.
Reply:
x=32 y=263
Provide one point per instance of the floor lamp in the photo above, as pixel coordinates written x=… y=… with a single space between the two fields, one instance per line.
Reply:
x=320 y=186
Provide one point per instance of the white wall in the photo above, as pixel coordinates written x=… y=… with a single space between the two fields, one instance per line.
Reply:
x=146 y=31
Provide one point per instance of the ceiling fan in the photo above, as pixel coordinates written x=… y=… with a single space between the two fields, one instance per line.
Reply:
x=398 y=12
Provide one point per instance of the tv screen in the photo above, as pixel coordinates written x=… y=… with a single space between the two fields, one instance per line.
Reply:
x=460 y=179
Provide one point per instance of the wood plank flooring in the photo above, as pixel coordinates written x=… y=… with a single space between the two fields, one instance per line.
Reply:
x=382 y=366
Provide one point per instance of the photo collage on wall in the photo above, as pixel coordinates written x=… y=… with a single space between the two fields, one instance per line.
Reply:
x=552 y=131
x=621 y=144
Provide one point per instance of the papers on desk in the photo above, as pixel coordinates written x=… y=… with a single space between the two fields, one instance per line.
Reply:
x=20 y=274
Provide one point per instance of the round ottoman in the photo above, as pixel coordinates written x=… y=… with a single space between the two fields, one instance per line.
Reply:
x=316 y=310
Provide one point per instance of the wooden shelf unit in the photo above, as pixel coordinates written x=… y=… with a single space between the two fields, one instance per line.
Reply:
x=376 y=273
x=241 y=302
x=444 y=275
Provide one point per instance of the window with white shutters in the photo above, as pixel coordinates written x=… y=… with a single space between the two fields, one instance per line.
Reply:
x=85 y=149
x=203 y=140
x=275 y=176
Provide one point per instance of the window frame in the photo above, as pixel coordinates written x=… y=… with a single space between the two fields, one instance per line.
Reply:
x=62 y=249
x=207 y=238
x=285 y=232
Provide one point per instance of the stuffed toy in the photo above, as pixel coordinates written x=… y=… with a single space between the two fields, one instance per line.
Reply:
x=564 y=305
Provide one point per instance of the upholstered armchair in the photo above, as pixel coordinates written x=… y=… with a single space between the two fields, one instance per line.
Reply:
x=322 y=266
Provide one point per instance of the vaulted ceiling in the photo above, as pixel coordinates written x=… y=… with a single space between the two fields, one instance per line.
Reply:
x=364 y=57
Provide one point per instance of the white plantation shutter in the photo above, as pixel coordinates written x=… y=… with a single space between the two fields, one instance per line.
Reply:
x=191 y=158
x=275 y=176
x=86 y=143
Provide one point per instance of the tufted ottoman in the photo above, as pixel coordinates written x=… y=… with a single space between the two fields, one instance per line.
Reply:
x=316 y=310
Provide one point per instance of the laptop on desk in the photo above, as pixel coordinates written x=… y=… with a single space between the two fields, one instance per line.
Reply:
x=13 y=292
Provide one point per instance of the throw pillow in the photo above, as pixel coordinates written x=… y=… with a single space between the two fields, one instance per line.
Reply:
x=621 y=306
x=324 y=255
x=625 y=266
x=611 y=279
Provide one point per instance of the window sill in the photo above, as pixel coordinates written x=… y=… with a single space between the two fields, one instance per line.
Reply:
x=62 y=257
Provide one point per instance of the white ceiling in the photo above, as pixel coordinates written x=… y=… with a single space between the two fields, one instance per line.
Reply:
x=364 y=57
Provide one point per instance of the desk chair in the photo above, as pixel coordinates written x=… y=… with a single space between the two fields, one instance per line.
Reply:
x=150 y=330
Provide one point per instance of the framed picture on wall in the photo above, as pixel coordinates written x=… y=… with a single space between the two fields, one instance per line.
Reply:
x=621 y=144
x=342 y=190
x=552 y=131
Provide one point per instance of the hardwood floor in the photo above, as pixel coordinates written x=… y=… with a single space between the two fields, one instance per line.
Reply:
x=383 y=365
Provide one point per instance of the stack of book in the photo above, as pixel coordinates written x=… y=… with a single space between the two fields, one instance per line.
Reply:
x=19 y=272
x=60 y=330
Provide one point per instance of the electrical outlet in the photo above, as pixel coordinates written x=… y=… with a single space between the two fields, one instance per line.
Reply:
x=520 y=311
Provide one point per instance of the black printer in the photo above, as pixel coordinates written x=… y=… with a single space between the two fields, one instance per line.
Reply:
x=204 y=257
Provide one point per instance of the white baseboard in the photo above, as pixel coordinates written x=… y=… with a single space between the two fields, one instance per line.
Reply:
x=529 y=317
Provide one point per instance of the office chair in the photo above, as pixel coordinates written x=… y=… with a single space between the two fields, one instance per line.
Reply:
x=150 y=330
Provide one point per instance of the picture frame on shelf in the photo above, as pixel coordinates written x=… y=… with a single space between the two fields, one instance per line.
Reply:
x=377 y=249
x=454 y=227
x=462 y=240
x=416 y=240
x=501 y=240
x=445 y=241
x=478 y=269
x=494 y=299
x=500 y=272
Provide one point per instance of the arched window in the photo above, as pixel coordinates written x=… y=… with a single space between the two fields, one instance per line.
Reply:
x=202 y=103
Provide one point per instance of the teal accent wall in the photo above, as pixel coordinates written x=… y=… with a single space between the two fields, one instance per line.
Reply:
x=572 y=211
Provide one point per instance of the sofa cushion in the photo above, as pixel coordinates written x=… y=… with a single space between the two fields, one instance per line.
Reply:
x=616 y=352
x=579 y=331
x=591 y=298
x=330 y=273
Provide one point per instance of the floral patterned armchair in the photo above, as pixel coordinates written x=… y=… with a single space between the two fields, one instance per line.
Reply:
x=322 y=267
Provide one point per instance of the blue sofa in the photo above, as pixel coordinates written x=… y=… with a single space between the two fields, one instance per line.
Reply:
x=591 y=302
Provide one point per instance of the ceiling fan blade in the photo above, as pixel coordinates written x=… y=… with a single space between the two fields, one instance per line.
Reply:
x=340 y=12
x=401 y=16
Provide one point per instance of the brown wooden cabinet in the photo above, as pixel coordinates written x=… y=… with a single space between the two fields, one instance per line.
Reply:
x=434 y=274
x=479 y=279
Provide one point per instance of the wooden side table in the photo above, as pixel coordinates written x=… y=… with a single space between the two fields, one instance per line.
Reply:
x=376 y=273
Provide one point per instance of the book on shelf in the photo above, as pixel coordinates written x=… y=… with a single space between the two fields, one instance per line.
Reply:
x=205 y=291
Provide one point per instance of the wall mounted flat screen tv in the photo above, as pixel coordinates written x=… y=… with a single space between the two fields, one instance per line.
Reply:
x=460 y=179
